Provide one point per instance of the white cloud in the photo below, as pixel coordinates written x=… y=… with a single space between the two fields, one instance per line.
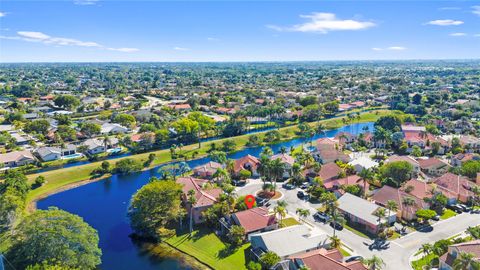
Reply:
x=124 y=49
x=32 y=36
x=85 y=2
x=391 y=48
x=323 y=23
x=3 y=14
x=449 y=8
x=447 y=22
x=459 y=34
x=180 y=49
x=476 y=10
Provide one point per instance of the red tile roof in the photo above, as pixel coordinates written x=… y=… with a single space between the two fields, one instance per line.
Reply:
x=349 y=180
x=329 y=171
x=456 y=184
x=242 y=162
x=387 y=193
x=179 y=106
x=255 y=219
x=431 y=162
x=285 y=158
x=472 y=247
x=204 y=197
x=322 y=259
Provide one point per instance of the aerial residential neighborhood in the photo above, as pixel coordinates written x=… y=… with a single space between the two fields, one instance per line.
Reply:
x=239 y=135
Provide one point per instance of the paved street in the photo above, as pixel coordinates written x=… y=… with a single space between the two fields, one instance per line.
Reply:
x=398 y=255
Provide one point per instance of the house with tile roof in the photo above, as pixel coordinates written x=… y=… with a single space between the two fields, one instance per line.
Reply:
x=447 y=260
x=205 y=197
x=329 y=172
x=16 y=158
x=255 y=220
x=409 y=159
x=207 y=170
x=288 y=162
x=455 y=186
x=406 y=212
x=433 y=166
x=249 y=163
x=323 y=259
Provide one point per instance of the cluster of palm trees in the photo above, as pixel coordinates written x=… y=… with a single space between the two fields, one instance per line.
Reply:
x=271 y=170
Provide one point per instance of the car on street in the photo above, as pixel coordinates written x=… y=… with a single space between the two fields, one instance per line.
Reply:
x=322 y=217
x=262 y=201
x=305 y=185
x=456 y=208
x=301 y=194
x=288 y=186
x=353 y=258
x=336 y=225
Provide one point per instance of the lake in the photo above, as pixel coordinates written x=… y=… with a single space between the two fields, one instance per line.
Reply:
x=103 y=205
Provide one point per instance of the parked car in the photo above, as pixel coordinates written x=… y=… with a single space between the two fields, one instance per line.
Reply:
x=353 y=258
x=436 y=218
x=456 y=208
x=305 y=185
x=262 y=201
x=301 y=194
x=322 y=217
x=464 y=207
x=288 y=186
x=336 y=225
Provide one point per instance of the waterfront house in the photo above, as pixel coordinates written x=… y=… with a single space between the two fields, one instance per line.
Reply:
x=254 y=220
x=16 y=158
x=249 y=163
x=205 y=196
x=207 y=170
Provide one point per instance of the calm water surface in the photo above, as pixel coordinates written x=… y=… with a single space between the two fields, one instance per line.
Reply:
x=103 y=205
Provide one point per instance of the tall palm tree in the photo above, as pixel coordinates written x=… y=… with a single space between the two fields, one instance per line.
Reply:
x=391 y=207
x=283 y=150
x=408 y=202
x=465 y=261
x=302 y=213
x=280 y=211
x=335 y=242
x=374 y=263
x=106 y=141
x=277 y=169
x=380 y=213
x=191 y=200
x=367 y=176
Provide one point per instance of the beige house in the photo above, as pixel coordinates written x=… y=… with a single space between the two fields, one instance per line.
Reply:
x=17 y=158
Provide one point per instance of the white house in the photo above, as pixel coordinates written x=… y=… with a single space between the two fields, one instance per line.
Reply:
x=112 y=128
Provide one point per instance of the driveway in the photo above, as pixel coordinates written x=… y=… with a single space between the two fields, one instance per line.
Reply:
x=398 y=255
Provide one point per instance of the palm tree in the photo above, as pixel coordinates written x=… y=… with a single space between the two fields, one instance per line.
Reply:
x=391 y=207
x=280 y=211
x=302 y=213
x=367 y=175
x=374 y=263
x=465 y=261
x=230 y=166
x=277 y=169
x=221 y=175
x=380 y=213
x=335 y=242
x=283 y=150
x=408 y=202
x=191 y=200
x=426 y=249
x=106 y=141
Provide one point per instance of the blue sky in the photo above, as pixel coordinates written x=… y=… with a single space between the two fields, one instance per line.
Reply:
x=96 y=30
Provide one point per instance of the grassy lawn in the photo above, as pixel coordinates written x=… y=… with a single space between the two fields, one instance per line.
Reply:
x=448 y=214
x=206 y=247
x=418 y=265
x=355 y=231
x=344 y=252
x=57 y=179
x=287 y=222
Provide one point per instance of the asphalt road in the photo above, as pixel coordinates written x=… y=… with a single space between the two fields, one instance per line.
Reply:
x=401 y=250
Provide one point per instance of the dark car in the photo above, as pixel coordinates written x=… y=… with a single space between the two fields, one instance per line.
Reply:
x=336 y=225
x=300 y=194
x=456 y=208
x=464 y=207
x=305 y=185
x=436 y=218
x=262 y=202
x=288 y=186
x=322 y=217
x=353 y=258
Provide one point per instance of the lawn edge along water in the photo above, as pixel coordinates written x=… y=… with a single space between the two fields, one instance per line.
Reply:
x=72 y=177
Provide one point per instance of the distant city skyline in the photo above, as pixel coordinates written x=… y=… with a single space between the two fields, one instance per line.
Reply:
x=234 y=31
